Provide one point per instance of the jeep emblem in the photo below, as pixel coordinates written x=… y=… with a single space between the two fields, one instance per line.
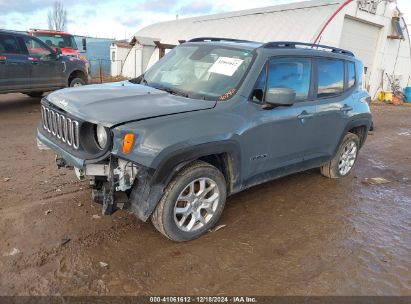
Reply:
x=63 y=103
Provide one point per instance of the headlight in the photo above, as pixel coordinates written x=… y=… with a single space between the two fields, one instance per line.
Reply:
x=102 y=136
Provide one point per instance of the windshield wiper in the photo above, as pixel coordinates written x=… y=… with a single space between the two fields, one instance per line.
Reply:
x=139 y=80
x=143 y=80
x=171 y=91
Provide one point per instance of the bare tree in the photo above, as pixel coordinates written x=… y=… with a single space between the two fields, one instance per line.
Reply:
x=57 y=17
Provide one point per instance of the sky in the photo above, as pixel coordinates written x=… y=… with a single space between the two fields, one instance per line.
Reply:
x=120 y=19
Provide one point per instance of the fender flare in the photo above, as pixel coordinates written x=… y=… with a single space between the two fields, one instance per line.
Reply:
x=151 y=182
x=74 y=70
x=363 y=120
x=171 y=160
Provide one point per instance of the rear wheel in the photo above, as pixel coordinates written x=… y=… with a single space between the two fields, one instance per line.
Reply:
x=77 y=82
x=35 y=94
x=343 y=161
x=192 y=203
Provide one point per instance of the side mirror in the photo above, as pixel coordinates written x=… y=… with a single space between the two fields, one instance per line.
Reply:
x=84 y=42
x=58 y=53
x=280 y=97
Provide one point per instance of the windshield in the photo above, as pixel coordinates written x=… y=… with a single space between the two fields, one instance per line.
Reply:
x=57 y=40
x=206 y=71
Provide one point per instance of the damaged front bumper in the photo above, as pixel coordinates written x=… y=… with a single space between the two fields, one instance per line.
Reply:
x=43 y=143
x=111 y=181
x=116 y=182
x=110 y=178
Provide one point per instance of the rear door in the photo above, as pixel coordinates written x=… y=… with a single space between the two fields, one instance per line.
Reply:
x=333 y=105
x=14 y=65
x=47 y=71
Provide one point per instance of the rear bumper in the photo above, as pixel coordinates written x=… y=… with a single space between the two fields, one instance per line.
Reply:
x=70 y=159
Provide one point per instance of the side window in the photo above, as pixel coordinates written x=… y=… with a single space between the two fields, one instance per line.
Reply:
x=330 y=77
x=35 y=48
x=293 y=73
x=9 y=45
x=258 y=92
x=351 y=74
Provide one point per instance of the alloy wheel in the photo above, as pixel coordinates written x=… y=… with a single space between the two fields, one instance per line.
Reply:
x=347 y=158
x=196 y=204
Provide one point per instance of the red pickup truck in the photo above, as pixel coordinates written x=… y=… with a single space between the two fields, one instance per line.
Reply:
x=62 y=40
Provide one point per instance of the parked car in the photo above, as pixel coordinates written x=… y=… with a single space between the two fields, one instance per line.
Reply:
x=211 y=118
x=29 y=66
x=62 y=40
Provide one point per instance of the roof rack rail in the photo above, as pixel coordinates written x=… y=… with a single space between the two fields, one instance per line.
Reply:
x=205 y=39
x=46 y=30
x=293 y=44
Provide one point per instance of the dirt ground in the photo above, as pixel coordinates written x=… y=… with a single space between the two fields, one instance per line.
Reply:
x=299 y=235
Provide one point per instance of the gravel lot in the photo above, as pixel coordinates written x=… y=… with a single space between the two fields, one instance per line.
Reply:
x=299 y=235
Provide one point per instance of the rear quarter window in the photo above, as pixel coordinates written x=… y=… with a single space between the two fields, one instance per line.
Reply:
x=9 y=45
x=351 y=74
x=330 y=77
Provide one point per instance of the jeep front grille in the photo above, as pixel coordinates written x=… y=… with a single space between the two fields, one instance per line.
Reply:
x=62 y=127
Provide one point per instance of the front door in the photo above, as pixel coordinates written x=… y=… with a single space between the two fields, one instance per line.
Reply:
x=14 y=66
x=278 y=138
x=47 y=70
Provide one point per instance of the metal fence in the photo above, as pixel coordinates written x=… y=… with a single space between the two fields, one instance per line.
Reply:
x=101 y=70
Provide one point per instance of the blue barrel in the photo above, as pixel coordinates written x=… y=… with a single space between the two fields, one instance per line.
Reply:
x=407 y=93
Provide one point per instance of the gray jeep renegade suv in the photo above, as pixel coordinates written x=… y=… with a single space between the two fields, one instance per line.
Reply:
x=211 y=118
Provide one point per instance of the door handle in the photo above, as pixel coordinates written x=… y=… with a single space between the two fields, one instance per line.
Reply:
x=346 y=108
x=305 y=115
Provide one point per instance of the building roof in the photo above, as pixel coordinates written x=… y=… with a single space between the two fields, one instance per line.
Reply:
x=144 y=40
x=299 y=21
x=122 y=44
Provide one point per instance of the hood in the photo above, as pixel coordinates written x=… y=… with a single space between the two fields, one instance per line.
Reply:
x=111 y=104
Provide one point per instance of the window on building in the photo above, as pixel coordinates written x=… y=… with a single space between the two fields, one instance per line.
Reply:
x=330 y=77
x=113 y=56
x=351 y=74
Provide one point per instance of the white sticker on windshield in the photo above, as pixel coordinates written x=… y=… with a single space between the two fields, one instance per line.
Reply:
x=225 y=66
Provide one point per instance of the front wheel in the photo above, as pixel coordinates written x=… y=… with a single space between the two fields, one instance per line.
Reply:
x=192 y=203
x=343 y=161
x=77 y=82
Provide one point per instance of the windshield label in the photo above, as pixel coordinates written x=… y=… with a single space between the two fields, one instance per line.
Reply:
x=225 y=66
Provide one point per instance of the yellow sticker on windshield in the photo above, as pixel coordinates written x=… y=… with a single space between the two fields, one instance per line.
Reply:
x=225 y=66
x=227 y=95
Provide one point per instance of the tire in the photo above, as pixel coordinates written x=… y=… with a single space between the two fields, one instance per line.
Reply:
x=177 y=196
x=35 y=94
x=343 y=161
x=77 y=82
